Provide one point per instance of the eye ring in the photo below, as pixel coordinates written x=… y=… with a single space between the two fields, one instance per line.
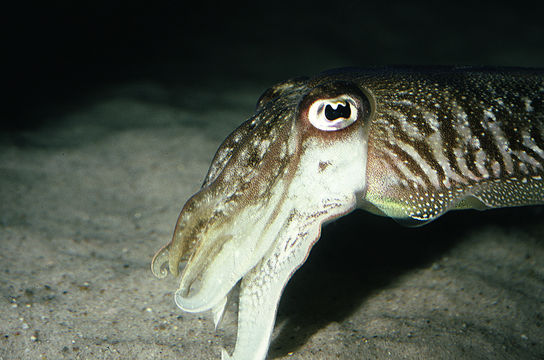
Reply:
x=333 y=114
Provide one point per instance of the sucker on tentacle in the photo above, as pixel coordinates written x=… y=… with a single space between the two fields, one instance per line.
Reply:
x=406 y=143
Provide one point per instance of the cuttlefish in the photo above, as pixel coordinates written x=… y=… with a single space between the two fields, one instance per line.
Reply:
x=406 y=143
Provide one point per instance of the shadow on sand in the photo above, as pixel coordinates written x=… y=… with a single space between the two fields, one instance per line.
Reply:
x=360 y=254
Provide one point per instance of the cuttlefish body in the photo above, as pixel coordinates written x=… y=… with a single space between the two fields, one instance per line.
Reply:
x=406 y=143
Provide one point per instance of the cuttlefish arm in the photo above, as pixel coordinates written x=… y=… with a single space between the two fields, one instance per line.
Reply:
x=402 y=143
x=259 y=213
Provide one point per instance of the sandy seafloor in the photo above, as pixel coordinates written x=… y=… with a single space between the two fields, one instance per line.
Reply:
x=86 y=201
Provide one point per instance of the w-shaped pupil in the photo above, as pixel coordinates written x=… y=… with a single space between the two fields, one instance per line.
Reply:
x=342 y=111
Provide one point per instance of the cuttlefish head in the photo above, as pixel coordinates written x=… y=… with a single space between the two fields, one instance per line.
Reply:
x=303 y=152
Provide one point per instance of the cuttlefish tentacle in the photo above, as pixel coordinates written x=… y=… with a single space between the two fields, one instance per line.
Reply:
x=261 y=287
x=182 y=246
x=224 y=229
x=402 y=143
x=260 y=293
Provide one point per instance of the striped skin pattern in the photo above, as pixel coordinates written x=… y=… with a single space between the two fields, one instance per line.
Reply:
x=455 y=139
x=406 y=143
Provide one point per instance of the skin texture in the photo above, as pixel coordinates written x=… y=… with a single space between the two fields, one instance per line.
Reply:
x=406 y=143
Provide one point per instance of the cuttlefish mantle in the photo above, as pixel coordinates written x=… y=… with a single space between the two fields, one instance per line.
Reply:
x=411 y=144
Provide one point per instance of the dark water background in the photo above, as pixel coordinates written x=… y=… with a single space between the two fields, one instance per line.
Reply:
x=60 y=53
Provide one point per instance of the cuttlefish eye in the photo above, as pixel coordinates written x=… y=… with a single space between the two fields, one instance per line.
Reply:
x=333 y=114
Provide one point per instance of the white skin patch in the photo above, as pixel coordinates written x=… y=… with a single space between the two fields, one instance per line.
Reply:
x=481 y=159
x=461 y=124
x=527 y=159
x=263 y=147
x=502 y=145
x=527 y=102
x=530 y=143
x=462 y=164
x=496 y=168
x=488 y=115
x=437 y=147
x=432 y=120
x=410 y=129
